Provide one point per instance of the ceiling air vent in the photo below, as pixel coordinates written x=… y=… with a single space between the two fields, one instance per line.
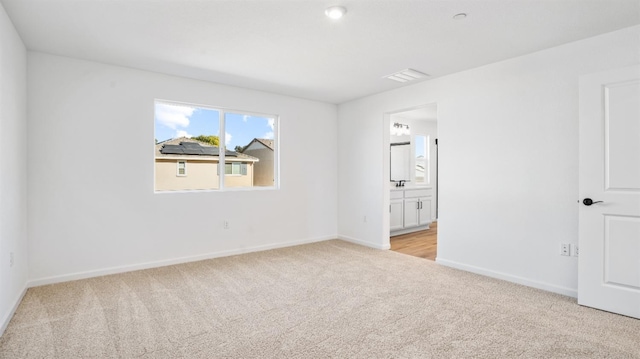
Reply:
x=406 y=75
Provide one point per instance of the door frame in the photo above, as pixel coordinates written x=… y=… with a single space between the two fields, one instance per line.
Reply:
x=386 y=168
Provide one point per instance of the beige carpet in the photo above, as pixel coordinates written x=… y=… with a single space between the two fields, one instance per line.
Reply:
x=325 y=300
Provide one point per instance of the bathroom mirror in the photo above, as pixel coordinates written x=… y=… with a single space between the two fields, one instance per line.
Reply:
x=400 y=161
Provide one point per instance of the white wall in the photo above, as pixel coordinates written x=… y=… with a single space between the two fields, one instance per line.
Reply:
x=92 y=208
x=508 y=141
x=13 y=161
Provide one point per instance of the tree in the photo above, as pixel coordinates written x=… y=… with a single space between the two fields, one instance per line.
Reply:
x=239 y=149
x=211 y=140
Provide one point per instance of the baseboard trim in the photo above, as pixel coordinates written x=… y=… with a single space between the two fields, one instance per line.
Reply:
x=7 y=318
x=168 y=262
x=509 y=278
x=410 y=230
x=364 y=243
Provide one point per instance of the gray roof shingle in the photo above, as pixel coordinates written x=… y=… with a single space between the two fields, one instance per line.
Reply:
x=183 y=146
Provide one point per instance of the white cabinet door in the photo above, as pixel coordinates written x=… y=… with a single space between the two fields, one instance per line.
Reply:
x=396 y=210
x=424 y=211
x=609 y=231
x=411 y=212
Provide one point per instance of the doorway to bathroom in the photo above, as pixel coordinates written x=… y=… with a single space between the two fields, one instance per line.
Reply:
x=413 y=181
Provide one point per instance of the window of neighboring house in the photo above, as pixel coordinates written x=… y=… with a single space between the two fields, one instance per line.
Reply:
x=182 y=168
x=243 y=144
x=235 y=168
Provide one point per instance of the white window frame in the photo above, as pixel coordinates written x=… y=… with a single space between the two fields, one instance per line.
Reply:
x=178 y=168
x=238 y=165
x=221 y=159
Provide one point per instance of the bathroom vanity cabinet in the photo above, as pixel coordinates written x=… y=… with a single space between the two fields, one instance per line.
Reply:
x=410 y=209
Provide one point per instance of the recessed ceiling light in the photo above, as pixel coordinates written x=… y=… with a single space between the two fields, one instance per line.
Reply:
x=406 y=75
x=459 y=16
x=335 y=12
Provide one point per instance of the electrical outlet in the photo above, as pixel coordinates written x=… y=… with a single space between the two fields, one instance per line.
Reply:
x=565 y=249
x=225 y=224
x=11 y=260
x=576 y=251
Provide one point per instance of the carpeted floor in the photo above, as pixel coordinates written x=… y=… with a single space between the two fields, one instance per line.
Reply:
x=324 y=300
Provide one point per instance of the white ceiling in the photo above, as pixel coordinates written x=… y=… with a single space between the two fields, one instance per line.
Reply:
x=291 y=47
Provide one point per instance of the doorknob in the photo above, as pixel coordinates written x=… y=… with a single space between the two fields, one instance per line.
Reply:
x=589 y=201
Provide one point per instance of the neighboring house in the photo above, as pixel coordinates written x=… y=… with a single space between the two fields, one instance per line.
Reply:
x=186 y=164
x=262 y=149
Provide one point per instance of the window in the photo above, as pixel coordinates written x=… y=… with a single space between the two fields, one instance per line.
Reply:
x=211 y=139
x=235 y=169
x=422 y=159
x=182 y=168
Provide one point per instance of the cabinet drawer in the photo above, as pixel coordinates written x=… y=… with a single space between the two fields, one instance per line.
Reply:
x=396 y=194
x=413 y=193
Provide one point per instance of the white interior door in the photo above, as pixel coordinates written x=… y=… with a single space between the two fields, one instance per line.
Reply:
x=609 y=262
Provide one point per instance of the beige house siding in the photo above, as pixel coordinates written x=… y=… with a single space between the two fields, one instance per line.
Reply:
x=264 y=168
x=200 y=175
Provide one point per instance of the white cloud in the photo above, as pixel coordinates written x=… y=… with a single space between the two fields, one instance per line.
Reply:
x=183 y=133
x=227 y=138
x=268 y=135
x=173 y=116
x=271 y=122
x=245 y=118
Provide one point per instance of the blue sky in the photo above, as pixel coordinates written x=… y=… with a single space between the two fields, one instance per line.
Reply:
x=176 y=120
x=420 y=146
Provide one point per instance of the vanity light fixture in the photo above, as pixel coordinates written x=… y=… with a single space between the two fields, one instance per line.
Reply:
x=335 y=12
x=400 y=129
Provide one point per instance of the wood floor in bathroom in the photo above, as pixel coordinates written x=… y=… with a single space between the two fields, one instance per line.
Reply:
x=423 y=244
